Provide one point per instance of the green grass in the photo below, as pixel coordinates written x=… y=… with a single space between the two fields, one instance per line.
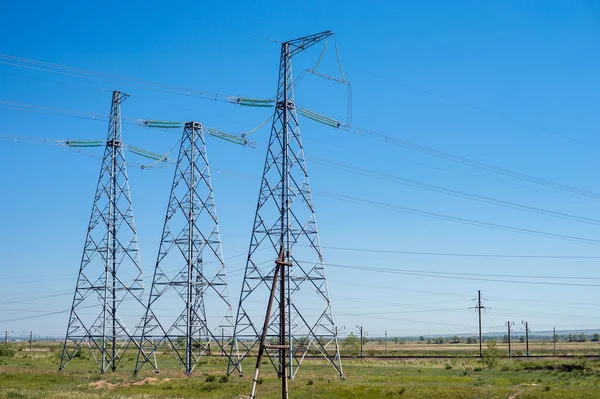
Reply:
x=34 y=375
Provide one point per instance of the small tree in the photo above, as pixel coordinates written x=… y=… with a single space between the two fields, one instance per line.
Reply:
x=455 y=339
x=396 y=340
x=596 y=337
x=6 y=350
x=351 y=345
x=522 y=339
x=471 y=340
x=491 y=354
x=581 y=338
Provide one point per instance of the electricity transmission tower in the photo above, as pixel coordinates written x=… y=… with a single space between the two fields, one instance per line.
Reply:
x=110 y=275
x=284 y=270
x=189 y=303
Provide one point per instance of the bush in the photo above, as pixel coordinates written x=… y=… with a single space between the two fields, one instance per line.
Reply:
x=210 y=378
x=491 y=354
x=223 y=379
x=351 y=345
x=6 y=350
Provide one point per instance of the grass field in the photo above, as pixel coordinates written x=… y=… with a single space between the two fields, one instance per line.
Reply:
x=536 y=348
x=34 y=375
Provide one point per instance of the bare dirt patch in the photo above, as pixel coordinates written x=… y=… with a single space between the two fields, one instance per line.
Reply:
x=108 y=385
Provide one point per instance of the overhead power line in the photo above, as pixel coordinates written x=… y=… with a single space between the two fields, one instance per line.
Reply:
x=477 y=108
x=450 y=218
x=39 y=315
x=88 y=74
x=473 y=163
x=381 y=155
x=448 y=191
x=242 y=139
x=396 y=208
x=65 y=70
x=477 y=255
x=465 y=161
x=502 y=278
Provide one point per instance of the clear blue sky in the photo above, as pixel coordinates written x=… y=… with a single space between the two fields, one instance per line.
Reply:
x=456 y=77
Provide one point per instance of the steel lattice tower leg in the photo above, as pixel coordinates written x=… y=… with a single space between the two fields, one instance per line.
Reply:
x=190 y=271
x=285 y=221
x=110 y=275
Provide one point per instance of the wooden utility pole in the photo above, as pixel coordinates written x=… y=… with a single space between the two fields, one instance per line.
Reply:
x=479 y=307
x=222 y=342
x=526 y=337
x=386 y=343
x=279 y=277
x=360 y=328
x=509 y=324
x=554 y=339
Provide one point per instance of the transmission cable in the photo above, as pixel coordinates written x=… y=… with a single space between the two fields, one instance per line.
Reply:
x=396 y=208
x=456 y=193
x=452 y=254
x=471 y=162
x=477 y=108
x=447 y=156
x=440 y=216
x=463 y=276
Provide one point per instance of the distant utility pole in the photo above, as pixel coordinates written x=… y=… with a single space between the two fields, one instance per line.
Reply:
x=337 y=355
x=30 y=337
x=6 y=336
x=361 y=340
x=509 y=324
x=222 y=342
x=526 y=337
x=385 y=343
x=554 y=339
x=479 y=307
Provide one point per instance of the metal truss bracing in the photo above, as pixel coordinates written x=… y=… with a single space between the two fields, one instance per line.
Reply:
x=189 y=307
x=285 y=221
x=110 y=276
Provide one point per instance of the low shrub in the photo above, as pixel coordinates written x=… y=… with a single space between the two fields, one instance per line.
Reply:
x=6 y=350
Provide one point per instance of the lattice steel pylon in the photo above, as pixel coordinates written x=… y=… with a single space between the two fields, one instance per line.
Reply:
x=285 y=221
x=189 y=267
x=110 y=275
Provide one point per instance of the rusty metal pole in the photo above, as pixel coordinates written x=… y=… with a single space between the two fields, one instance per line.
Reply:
x=279 y=275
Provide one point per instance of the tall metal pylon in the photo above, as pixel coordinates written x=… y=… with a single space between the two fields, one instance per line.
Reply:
x=188 y=307
x=110 y=275
x=285 y=263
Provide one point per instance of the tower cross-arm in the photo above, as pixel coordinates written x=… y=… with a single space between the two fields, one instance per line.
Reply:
x=298 y=45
